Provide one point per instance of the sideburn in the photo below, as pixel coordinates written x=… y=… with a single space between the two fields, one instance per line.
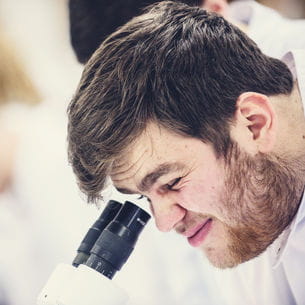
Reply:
x=262 y=197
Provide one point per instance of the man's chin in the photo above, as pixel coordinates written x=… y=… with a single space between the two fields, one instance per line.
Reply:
x=218 y=249
x=227 y=247
x=221 y=260
x=230 y=257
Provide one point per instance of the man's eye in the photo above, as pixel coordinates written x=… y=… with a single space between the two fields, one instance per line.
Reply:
x=170 y=186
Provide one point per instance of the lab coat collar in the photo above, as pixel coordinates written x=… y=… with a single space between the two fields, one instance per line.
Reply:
x=280 y=246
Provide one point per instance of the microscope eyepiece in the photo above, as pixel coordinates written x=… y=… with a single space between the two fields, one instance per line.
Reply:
x=114 y=236
x=117 y=241
x=83 y=251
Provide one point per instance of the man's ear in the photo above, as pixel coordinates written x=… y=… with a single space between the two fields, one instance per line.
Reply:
x=255 y=123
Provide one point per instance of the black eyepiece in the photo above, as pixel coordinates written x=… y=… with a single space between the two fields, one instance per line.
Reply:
x=117 y=241
x=108 y=214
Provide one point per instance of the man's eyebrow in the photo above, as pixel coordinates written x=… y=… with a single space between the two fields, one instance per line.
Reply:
x=163 y=169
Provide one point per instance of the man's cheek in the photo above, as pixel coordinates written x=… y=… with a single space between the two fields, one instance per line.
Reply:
x=198 y=198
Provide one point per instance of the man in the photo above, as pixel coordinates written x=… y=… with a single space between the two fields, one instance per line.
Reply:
x=183 y=108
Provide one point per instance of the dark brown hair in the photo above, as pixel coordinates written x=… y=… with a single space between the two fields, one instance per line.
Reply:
x=176 y=65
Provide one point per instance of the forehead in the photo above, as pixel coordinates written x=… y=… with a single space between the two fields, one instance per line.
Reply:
x=153 y=145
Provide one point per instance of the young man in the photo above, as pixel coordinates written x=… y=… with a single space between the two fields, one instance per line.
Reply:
x=183 y=108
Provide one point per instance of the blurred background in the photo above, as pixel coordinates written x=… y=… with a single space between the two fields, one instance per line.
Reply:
x=288 y=8
x=43 y=217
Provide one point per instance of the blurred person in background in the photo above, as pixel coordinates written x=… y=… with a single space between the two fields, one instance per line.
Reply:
x=37 y=193
x=274 y=33
x=289 y=8
x=17 y=92
x=39 y=30
x=92 y=21
x=18 y=95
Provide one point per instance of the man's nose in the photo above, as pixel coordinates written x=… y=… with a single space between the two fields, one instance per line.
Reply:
x=167 y=213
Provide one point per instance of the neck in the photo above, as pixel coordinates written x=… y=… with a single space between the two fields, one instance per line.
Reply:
x=291 y=129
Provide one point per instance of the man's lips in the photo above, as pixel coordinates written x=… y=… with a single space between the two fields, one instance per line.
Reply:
x=198 y=233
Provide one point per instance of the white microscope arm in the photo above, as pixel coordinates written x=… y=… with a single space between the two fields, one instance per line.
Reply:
x=69 y=285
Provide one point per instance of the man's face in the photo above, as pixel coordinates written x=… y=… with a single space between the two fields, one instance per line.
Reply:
x=232 y=210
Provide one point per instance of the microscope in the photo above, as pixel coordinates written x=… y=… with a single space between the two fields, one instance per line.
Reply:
x=102 y=252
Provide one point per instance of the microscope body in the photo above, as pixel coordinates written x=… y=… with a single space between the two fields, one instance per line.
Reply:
x=83 y=285
x=103 y=251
